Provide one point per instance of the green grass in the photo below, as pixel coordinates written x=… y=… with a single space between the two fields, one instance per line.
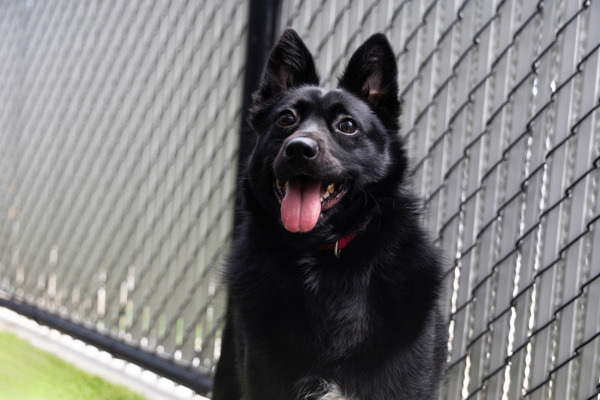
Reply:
x=27 y=373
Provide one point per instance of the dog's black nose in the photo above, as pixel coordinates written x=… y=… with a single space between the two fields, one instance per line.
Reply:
x=302 y=148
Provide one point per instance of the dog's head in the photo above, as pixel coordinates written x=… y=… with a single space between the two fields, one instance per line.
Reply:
x=325 y=158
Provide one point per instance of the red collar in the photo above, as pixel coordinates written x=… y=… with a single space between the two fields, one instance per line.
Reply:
x=339 y=244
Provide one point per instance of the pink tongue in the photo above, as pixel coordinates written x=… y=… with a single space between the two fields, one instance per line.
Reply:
x=301 y=206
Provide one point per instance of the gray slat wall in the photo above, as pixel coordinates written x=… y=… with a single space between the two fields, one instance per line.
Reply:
x=118 y=144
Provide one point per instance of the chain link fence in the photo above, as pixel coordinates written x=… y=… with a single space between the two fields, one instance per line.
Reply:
x=118 y=148
x=119 y=131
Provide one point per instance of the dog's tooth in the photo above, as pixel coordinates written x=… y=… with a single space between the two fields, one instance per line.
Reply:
x=331 y=188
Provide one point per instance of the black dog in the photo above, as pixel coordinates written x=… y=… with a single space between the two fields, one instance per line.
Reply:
x=333 y=285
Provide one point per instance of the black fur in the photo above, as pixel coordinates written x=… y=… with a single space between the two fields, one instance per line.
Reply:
x=300 y=318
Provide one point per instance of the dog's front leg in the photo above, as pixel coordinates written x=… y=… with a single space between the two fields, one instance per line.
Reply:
x=227 y=383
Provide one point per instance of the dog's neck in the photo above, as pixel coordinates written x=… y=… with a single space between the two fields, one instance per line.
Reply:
x=339 y=244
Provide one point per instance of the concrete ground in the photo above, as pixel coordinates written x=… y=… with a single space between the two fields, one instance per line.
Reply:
x=93 y=360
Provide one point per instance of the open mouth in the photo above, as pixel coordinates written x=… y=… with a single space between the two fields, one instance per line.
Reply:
x=329 y=195
x=303 y=199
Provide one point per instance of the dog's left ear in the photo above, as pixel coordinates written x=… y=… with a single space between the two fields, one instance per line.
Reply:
x=372 y=74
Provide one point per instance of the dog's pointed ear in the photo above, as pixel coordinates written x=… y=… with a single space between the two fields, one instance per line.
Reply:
x=372 y=74
x=290 y=64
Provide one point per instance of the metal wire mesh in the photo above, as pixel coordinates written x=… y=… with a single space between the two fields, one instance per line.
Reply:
x=501 y=115
x=118 y=139
x=118 y=144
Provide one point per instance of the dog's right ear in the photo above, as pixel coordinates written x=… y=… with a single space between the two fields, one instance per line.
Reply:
x=372 y=74
x=290 y=64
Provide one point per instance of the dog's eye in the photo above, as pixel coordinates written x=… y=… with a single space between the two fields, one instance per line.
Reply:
x=286 y=118
x=347 y=126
